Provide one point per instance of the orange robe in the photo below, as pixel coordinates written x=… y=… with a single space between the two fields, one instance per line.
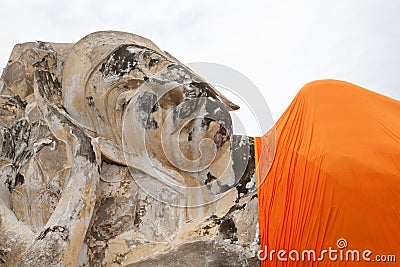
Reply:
x=335 y=175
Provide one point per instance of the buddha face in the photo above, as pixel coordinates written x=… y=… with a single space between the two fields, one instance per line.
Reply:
x=142 y=99
x=183 y=120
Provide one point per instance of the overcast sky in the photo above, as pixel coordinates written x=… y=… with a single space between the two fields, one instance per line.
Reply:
x=279 y=45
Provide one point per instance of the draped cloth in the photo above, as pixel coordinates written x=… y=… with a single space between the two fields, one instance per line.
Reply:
x=335 y=176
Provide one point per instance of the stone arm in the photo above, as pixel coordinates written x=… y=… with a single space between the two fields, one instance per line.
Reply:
x=60 y=242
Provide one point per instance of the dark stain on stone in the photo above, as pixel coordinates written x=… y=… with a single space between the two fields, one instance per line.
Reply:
x=217 y=111
x=39 y=130
x=90 y=102
x=20 y=132
x=145 y=105
x=9 y=182
x=92 y=107
x=7 y=148
x=19 y=179
x=60 y=230
x=226 y=225
x=22 y=158
x=44 y=62
x=207 y=227
x=85 y=147
x=187 y=108
x=120 y=62
x=221 y=187
x=140 y=212
x=228 y=229
x=221 y=136
x=200 y=89
x=44 y=46
x=3 y=255
x=215 y=218
x=153 y=62
x=243 y=162
x=49 y=87
x=210 y=178
x=127 y=58
x=205 y=123
x=175 y=73
x=10 y=105
x=235 y=208
x=190 y=136
x=97 y=257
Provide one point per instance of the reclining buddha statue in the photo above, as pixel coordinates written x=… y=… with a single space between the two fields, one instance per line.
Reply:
x=114 y=153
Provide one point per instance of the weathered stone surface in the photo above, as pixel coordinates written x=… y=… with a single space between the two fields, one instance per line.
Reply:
x=198 y=254
x=114 y=153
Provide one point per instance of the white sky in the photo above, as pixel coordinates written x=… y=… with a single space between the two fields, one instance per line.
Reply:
x=279 y=45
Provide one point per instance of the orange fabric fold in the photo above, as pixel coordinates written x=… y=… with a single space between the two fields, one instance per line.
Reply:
x=335 y=176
